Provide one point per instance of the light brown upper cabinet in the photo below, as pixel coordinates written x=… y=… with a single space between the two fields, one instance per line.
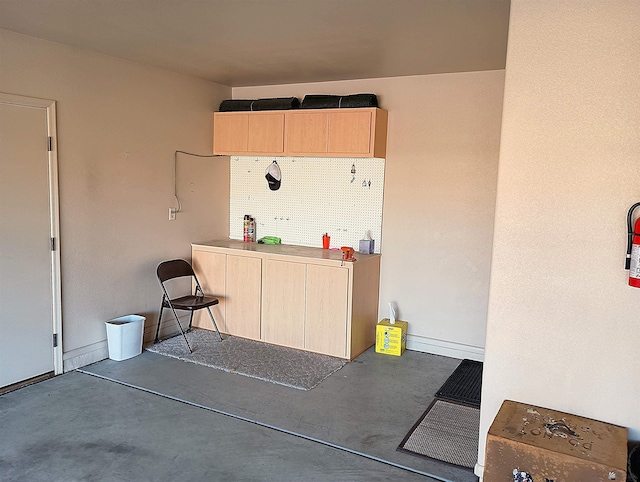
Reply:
x=337 y=132
x=306 y=133
x=360 y=132
x=253 y=133
x=351 y=132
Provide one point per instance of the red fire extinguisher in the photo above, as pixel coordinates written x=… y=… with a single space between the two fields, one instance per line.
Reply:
x=633 y=249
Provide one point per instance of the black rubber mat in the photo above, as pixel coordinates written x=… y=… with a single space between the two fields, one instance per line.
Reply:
x=464 y=384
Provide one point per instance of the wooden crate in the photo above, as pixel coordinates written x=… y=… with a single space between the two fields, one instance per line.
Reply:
x=553 y=446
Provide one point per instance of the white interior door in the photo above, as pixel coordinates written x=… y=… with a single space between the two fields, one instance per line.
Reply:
x=29 y=279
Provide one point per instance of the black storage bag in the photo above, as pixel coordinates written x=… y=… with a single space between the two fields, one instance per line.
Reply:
x=235 y=105
x=279 y=103
x=317 y=101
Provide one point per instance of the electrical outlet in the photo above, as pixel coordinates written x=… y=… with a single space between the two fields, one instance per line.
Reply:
x=172 y=214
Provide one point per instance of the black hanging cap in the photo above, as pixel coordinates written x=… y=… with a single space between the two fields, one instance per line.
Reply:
x=273 y=176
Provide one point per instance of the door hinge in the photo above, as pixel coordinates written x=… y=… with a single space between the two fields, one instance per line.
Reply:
x=49 y=144
x=55 y=340
x=53 y=244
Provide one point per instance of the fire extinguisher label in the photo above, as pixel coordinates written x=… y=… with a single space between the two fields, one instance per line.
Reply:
x=634 y=270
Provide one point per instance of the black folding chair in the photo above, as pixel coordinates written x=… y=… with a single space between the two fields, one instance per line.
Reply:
x=178 y=268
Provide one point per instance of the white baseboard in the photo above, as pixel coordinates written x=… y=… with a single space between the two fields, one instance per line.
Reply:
x=85 y=355
x=99 y=351
x=445 y=348
x=96 y=352
x=479 y=471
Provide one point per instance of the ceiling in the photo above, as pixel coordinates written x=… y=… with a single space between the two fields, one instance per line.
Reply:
x=264 y=42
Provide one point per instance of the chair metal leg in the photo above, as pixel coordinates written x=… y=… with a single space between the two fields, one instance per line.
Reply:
x=190 y=320
x=181 y=330
x=214 y=323
x=159 y=318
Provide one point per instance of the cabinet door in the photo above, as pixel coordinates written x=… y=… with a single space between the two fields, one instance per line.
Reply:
x=283 y=303
x=210 y=269
x=326 y=310
x=230 y=132
x=266 y=133
x=350 y=132
x=242 y=297
x=306 y=133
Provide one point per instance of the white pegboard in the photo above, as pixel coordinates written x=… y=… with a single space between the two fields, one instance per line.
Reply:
x=317 y=196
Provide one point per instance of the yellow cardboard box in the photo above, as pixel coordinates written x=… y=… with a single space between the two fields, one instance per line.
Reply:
x=391 y=339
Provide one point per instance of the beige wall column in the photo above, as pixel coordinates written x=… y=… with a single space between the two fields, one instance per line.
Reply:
x=563 y=326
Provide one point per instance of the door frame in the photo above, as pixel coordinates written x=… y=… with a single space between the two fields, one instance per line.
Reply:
x=49 y=107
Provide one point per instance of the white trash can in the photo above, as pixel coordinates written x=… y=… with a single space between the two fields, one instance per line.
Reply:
x=124 y=336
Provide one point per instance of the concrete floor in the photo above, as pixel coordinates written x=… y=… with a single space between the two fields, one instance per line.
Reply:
x=157 y=418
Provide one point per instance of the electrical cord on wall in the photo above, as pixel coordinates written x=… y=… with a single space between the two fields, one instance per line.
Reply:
x=175 y=173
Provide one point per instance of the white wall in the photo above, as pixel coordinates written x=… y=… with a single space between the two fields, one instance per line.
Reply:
x=563 y=326
x=440 y=180
x=118 y=126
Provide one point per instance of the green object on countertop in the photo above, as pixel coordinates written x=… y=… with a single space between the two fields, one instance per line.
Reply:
x=269 y=240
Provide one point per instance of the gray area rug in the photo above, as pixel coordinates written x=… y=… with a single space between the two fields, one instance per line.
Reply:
x=446 y=431
x=285 y=366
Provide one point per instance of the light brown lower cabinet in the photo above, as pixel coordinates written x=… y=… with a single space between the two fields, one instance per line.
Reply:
x=283 y=303
x=309 y=300
x=242 y=296
x=236 y=281
x=211 y=271
x=326 y=310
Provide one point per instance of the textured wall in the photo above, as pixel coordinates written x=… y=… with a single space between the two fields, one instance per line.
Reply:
x=118 y=126
x=440 y=179
x=563 y=325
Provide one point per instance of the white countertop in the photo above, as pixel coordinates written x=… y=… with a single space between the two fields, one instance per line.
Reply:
x=282 y=249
